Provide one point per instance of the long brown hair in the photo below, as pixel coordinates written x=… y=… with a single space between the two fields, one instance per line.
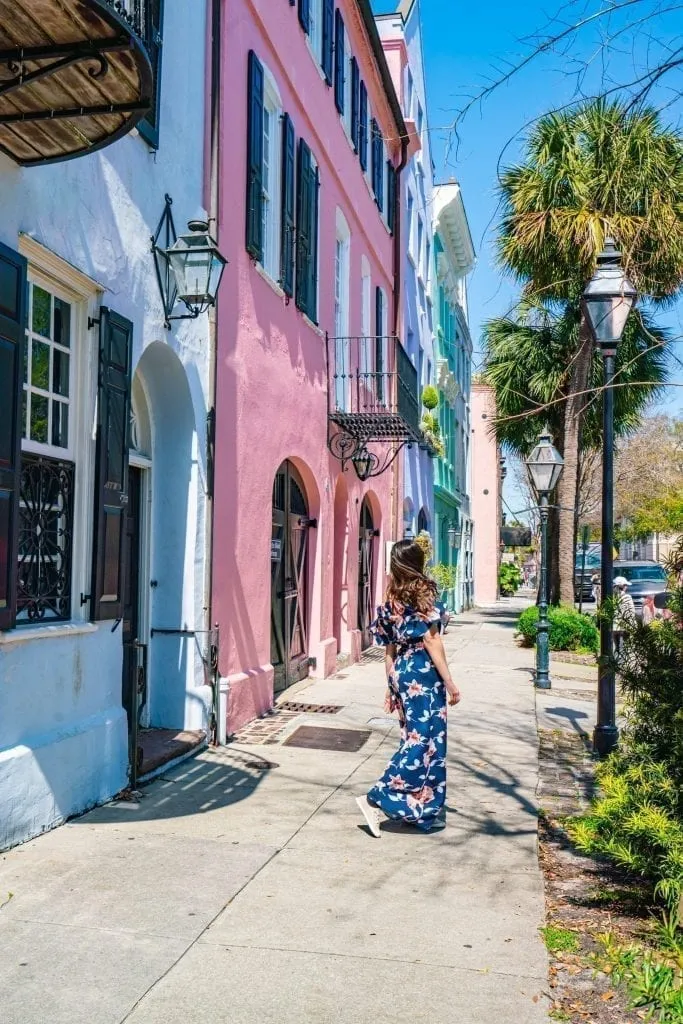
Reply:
x=408 y=584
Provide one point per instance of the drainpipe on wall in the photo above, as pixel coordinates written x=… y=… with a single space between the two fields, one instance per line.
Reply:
x=219 y=700
x=396 y=519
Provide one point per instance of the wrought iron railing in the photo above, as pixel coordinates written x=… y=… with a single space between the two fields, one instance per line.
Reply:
x=46 y=507
x=373 y=387
x=135 y=12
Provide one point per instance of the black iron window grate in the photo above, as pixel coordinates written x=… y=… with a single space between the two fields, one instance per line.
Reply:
x=46 y=504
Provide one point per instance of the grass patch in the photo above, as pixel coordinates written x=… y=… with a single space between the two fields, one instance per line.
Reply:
x=560 y=940
x=652 y=977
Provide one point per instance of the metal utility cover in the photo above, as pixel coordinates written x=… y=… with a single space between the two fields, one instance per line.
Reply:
x=315 y=737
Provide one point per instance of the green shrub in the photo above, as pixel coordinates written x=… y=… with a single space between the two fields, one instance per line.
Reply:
x=509 y=578
x=430 y=397
x=636 y=821
x=568 y=630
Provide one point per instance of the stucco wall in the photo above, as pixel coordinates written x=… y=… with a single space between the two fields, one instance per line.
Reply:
x=272 y=377
x=63 y=742
x=485 y=496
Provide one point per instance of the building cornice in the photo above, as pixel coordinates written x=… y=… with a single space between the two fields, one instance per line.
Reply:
x=450 y=222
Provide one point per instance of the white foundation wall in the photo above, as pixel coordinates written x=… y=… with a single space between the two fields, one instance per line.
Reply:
x=63 y=731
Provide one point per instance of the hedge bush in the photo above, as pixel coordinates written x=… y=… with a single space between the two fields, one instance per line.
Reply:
x=509 y=579
x=569 y=631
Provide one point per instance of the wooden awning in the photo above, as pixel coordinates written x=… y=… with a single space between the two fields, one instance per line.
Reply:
x=74 y=76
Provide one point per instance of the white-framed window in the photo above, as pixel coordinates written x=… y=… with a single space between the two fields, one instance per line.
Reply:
x=428 y=262
x=409 y=93
x=48 y=373
x=271 y=202
x=410 y=225
x=420 y=241
x=315 y=31
x=57 y=453
x=342 y=263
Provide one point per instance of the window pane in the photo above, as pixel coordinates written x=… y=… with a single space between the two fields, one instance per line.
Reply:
x=40 y=365
x=39 y=407
x=60 y=373
x=62 y=323
x=42 y=308
x=60 y=424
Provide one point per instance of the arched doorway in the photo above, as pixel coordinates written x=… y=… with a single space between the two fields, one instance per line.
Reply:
x=422 y=521
x=289 y=571
x=366 y=571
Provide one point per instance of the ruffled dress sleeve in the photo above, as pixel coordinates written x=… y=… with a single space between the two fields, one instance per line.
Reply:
x=417 y=624
x=382 y=628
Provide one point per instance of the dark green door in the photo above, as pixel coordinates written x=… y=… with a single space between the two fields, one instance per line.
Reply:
x=289 y=571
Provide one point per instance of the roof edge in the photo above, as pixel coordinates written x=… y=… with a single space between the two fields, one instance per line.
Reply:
x=365 y=8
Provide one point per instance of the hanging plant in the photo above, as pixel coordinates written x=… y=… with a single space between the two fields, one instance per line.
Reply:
x=430 y=397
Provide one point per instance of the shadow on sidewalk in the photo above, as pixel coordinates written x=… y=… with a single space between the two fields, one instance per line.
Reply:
x=199 y=786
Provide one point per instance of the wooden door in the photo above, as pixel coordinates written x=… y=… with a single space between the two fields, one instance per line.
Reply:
x=366 y=572
x=289 y=571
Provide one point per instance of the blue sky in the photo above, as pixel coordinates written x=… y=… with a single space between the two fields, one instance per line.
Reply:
x=466 y=46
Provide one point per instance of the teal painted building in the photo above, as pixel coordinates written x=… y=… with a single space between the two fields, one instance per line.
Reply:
x=454 y=258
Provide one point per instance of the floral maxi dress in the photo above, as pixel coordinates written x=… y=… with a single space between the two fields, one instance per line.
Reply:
x=413 y=787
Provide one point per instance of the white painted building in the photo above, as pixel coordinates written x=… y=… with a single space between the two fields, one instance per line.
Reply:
x=88 y=344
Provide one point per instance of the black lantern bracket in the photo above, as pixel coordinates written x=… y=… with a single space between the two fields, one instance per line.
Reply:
x=165 y=277
x=366 y=462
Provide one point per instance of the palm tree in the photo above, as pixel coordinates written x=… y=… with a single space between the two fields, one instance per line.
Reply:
x=603 y=168
x=529 y=363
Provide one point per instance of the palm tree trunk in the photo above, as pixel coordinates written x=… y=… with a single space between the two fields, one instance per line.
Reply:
x=567 y=491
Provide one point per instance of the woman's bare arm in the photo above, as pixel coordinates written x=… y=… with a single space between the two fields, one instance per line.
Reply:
x=389 y=658
x=435 y=649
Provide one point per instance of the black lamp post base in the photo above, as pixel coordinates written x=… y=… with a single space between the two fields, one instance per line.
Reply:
x=605 y=739
x=542 y=681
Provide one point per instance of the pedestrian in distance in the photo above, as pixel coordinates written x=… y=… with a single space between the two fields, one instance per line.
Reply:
x=413 y=786
x=624 y=611
x=595 y=586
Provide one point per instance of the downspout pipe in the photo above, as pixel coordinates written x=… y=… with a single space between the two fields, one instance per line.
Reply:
x=217 y=727
x=398 y=287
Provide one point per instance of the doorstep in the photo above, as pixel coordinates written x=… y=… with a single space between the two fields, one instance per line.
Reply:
x=161 y=746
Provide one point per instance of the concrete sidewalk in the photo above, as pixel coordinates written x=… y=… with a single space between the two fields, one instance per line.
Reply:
x=244 y=888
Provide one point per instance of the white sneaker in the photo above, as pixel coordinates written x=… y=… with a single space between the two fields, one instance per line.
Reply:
x=371 y=815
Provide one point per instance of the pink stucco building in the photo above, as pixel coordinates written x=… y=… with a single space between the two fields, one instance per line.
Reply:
x=486 y=495
x=311 y=139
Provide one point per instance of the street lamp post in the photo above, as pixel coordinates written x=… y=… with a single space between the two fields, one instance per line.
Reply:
x=607 y=301
x=544 y=466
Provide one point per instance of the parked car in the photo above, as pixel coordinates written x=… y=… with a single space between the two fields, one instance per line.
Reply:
x=583 y=585
x=646 y=579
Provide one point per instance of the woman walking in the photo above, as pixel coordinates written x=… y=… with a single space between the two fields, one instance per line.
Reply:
x=413 y=787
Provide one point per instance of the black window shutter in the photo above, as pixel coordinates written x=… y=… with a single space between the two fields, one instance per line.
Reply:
x=303 y=226
x=328 y=40
x=154 y=21
x=305 y=15
x=111 y=464
x=379 y=342
x=339 y=60
x=355 y=84
x=12 y=342
x=314 y=194
x=377 y=165
x=391 y=196
x=255 y=158
x=288 y=206
x=363 y=125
